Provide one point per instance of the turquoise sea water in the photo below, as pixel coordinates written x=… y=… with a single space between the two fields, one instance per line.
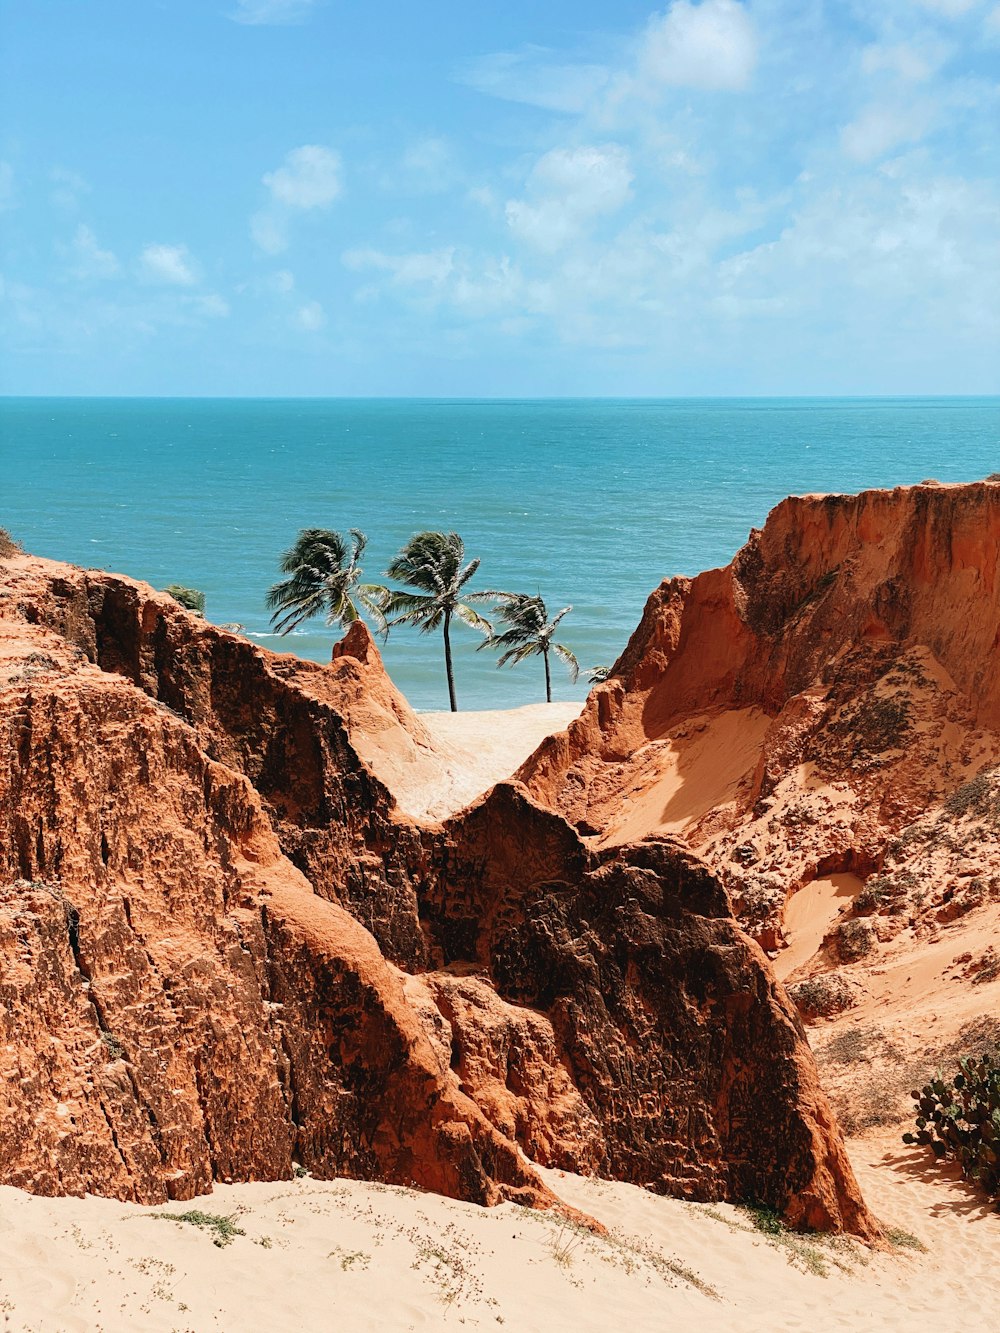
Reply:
x=589 y=502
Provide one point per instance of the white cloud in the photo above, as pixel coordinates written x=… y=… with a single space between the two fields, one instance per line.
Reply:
x=311 y=317
x=949 y=9
x=212 y=305
x=308 y=178
x=88 y=260
x=67 y=187
x=431 y=267
x=909 y=60
x=529 y=76
x=880 y=129
x=991 y=23
x=483 y=197
x=271 y=11
x=269 y=233
x=169 y=264
x=567 y=188
x=712 y=45
x=490 y=288
x=428 y=165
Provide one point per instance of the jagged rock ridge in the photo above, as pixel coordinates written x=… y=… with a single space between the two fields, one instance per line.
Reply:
x=226 y=951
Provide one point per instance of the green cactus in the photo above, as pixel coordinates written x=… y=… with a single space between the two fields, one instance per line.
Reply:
x=961 y=1117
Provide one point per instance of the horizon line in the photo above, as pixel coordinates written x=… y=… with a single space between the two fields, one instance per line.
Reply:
x=482 y=398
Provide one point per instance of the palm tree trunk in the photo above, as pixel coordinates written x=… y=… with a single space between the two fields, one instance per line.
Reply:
x=447 y=663
x=548 y=678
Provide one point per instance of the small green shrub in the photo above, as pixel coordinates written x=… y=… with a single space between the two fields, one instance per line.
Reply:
x=875 y=725
x=225 y=1228
x=192 y=599
x=597 y=675
x=8 y=546
x=854 y=940
x=764 y=1219
x=961 y=1119
x=873 y=895
x=114 y=1048
x=977 y=796
x=821 y=996
x=904 y=1240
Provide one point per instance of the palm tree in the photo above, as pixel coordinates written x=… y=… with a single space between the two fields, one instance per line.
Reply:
x=325 y=576
x=529 y=634
x=431 y=562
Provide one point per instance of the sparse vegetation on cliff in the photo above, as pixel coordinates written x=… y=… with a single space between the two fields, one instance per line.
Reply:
x=8 y=546
x=979 y=796
x=192 y=599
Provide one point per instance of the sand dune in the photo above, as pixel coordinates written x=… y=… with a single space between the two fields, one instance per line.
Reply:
x=474 y=750
x=668 y=785
x=810 y=914
x=315 y=1255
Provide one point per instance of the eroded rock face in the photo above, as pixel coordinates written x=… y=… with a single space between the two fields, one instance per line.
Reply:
x=178 y=1004
x=224 y=950
x=819 y=722
x=274 y=718
x=853 y=640
x=666 y=1014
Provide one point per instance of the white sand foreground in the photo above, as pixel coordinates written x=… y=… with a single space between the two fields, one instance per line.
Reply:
x=354 y=1257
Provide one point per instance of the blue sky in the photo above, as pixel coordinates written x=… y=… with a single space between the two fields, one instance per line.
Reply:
x=321 y=197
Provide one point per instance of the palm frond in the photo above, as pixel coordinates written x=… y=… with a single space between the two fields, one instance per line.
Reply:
x=528 y=631
x=397 y=602
x=429 y=560
x=568 y=659
x=462 y=578
x=496 y=595
x=318 y=548
x=372 y=597
x=411 y=608
x=519 y=654
x=488 y=595
x=360 y=542
x=472 y=618
x=323 y=577
x=510 y=638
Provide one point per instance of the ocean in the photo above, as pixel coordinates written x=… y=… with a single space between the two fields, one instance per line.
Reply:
x=588 y=502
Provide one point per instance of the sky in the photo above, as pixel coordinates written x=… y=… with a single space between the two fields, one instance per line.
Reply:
x=316 y=197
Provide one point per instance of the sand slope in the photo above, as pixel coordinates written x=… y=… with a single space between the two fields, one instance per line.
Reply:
x=358 y=1257
x=472 y=751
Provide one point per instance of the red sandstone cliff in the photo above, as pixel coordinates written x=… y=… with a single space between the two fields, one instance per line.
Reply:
x=852 y=644
x=819 y=721
x=224 y=949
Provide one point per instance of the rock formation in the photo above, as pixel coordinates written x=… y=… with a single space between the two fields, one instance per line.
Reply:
x=225 y=951
x=819 y=721
x=789 y=714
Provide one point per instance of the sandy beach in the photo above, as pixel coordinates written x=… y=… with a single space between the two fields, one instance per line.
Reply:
x=312 y=1255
